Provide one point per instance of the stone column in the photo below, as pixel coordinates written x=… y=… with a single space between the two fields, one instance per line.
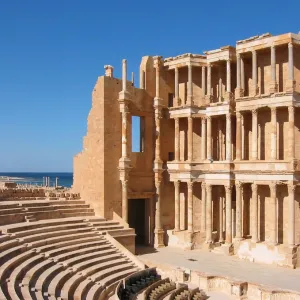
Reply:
x=273 y=83
x=254 y=89
x=177 y=140
x=238 y=90
x=221 y=238
x=242 y=76
x=125 y=115
x=203 y=207
x=177 y=100
x=125 y=200
x=209 y=153
x=228 y=190
x=157 y=78
x=254 y=200
x=190 y=138
x=157 y=141
x=159 y=233
x=220 y=88
x=203 y=138
x=291 y=215
x=190 y=86
x=124 y=75
x=203 y=82
x=239 y=212
x=228 y=81
x=228 y=137
x=208 y=92
x=290 y=85
x=243 y=138
x=273 y=214
x=177 y=205
x=254 y=134
x=190 y=207
x=273 y=133
x=238 y=142
x=291 y=132
x=208 y=214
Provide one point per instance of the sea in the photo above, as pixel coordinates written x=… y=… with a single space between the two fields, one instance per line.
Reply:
x=64 y=179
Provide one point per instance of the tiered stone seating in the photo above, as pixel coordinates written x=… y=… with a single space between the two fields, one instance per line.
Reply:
x=66 y=258
x=136 y=282
x=159 y=289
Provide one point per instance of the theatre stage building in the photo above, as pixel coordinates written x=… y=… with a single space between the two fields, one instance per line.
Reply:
x=218 y=159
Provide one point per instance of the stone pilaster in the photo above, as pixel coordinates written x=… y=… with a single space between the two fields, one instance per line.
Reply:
x=273 y=86
x=177 y=205
x=190 y=101
x=291 y=215
x=208 y=213
x=177 y=99
x=242 y=75
x=203 y=138
x=203 y=207
x=209 y=150
x=273 y=133
x=221 y=229
x=203 y=82
x=125 y=200
x=177 y=140
x=228 y=137
x=190 y=207
x=273 y=214
x=254 y=230
x=228 y=192
x=291 y=133
x=228 y=95
x=158 y=232
x=239 y=212
x=208 y=92
x=290 y=84
x=238 y=90
x=238 y=148
x=190 y=138
x=254 y=87
x=254 y=134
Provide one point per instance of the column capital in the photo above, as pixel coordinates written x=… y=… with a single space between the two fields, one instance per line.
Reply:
x=157 y=184
x=239 y=184
x=208 y=118
x=291 y=187
x=208 y=187
x=203 y=184
x=190 y=184
x=177 y=183
x=238 y=114
x=124 y=184
x=203 y=120
x=228 y=188
x=254 y=187
x=291 y=109
x=238 y=55
x=254 y=111
x=228 y=116
x=273 y=186
x=273 y=47
x=273 y=109
x=290 y=45
x=254 y=52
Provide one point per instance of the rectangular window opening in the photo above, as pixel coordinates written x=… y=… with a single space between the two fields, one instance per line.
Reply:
x=138 y=130
x=170 y=99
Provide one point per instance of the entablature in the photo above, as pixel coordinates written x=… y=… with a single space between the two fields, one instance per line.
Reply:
x=184 y=60
x=222 y=54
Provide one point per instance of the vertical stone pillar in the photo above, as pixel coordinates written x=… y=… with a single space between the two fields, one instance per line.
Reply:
x=254 y=134
x=209 y=153
x=125 y=200
x=177 y=140
x=239 y=212
x=125 y=115
x=273 y=133
x=157 y=141
x=228 y=81
x=254 y=213
x=220 y=85
x=221 y=238
x=238 y=142
x=273 y=83
x=190 y=207
x=208 y=92
x=273 y=214
x=254 y=89
x=208 y=214
x=242 y=76
x=124 y=75
x=203 y=82
x=177 y=100
x=159 y=233
x=291 y=215
x=190 y=138
x=177 y=205
x=190 y=86
x=228 y=190
x=228 y=137
x=203 y=138
x=291 y=132
x=203 y=207
x=157 y=78
x=243 y=137
x=238 y=90
x=290 y=85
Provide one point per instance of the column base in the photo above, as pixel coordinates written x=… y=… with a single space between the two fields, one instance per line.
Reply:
x=208 y=246
x=124 y=95
x=124 y=163
x=273 y=87
x=227 y=249
x=254 y=90
x=208 y=99
x=239 y=93
x=159 y=238
x=177 y=101
x=290 y=85
x=158 y=165
x=228 y=97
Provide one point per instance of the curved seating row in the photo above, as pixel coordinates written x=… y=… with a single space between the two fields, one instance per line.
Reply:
x=68 y=258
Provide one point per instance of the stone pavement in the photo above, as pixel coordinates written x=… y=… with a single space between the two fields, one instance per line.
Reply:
x=228 y=266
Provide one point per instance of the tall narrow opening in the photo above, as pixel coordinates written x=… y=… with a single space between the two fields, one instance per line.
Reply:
x=138 y=129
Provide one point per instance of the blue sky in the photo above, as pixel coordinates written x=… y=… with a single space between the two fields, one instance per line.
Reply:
x=53 y=51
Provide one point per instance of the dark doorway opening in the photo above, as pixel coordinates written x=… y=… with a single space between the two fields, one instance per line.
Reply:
x=137 y=219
